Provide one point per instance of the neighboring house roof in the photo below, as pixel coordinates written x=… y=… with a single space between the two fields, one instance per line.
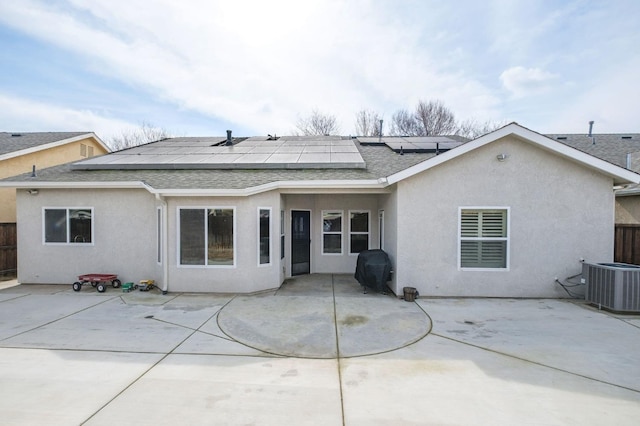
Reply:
x=14 y=144
x=611 y=147
x=383 y=167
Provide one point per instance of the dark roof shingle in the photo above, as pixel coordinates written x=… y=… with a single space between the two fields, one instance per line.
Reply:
x=16 y=141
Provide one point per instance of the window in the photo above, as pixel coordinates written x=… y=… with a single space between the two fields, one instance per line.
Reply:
x=68 y=225
x=331 y=232
x=264 y=236
x=206 y=236
x=281 y=234
x=358 y=231
x=90 y=150
x=484 y=238
x=83 y=150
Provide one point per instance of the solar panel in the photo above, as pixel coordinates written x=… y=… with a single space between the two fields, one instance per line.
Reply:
x=251 y=153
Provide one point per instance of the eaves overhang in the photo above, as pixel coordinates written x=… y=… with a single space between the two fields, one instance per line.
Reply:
x=301 y=187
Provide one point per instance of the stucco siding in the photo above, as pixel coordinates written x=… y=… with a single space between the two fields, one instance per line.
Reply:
x=560 y=212
x=41 y=159
x=388 y=203
x=344 y=263
x=246 y=275
x=124 y=238
x=628 y=210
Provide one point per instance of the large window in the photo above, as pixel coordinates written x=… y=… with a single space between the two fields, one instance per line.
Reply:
x=358 y=231
x=484 y=238
x=332 y=232
x=264 y=236
x=68 y=225
x=207 y=236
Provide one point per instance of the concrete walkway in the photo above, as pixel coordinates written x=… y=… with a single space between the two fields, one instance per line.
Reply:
x=317 y=351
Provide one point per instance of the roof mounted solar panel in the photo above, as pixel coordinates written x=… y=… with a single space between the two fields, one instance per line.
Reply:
x=298 y=152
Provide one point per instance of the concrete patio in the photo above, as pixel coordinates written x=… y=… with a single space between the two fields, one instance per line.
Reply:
x=316 y=351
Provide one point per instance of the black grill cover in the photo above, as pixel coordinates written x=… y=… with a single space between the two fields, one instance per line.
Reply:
x=373 y=269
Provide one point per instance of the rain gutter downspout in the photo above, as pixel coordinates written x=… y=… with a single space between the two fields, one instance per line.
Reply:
x=165 y=243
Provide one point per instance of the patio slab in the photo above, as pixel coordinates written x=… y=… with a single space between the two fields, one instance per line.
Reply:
x=147 y=358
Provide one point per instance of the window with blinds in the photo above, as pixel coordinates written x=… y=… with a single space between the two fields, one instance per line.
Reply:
x=484 y=238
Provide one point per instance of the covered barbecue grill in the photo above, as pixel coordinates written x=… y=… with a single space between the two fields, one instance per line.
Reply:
x=373 y=270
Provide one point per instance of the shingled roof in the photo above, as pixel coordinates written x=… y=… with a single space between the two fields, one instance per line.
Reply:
x=16 y=141
x=381 y=163
x=611 y=147
x=380 y=160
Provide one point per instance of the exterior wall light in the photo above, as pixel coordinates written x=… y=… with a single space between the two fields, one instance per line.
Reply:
x=32 y=191
x=501 y=157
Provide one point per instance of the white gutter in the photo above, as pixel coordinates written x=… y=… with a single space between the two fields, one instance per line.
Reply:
x=624 y=192
x=74 y=185
x=353 y=185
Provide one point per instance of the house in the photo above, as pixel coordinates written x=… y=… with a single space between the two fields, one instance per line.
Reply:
x=20 y=152
x=503 y=215
x=622 y=149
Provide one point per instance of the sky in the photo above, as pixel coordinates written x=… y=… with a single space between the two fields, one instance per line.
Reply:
x=200 y=67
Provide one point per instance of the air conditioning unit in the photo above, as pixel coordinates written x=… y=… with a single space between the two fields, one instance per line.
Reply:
x=612 y=286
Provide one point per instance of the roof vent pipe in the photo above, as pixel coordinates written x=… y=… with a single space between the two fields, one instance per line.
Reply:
x=33 y=171
x=591 y=128
x=229 y=140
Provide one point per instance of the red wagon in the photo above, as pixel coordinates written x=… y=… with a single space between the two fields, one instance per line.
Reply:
x=99 y=281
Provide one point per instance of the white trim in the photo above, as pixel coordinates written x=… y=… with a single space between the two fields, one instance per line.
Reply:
x=619 y=174
x=292 y=187
x=79 y=185
x=323 y=233
x=368 y=233
x=55 y=144
x=159 y=235
x=260 y=265
x=507 y=239
x=205 y=265
x=68 y=227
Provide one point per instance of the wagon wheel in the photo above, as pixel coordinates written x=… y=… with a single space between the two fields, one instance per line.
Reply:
x=116 y=283
x=94 y=283
x=77 y=286
x=101 y=288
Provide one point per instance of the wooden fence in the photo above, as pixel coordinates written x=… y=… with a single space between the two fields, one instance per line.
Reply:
x=8 y=250
x=627 y=244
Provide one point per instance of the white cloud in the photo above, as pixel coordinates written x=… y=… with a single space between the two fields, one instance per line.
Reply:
x=611 y=103
x=41 y=117
x=523 y=82
x=258 y=64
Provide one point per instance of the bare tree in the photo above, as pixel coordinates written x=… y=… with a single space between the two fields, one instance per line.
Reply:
x=435 y=119
x=144 y=134
x=316 y=124
x=403 y=123
x=368 y=123
x=429 y=119
x=473 y=129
